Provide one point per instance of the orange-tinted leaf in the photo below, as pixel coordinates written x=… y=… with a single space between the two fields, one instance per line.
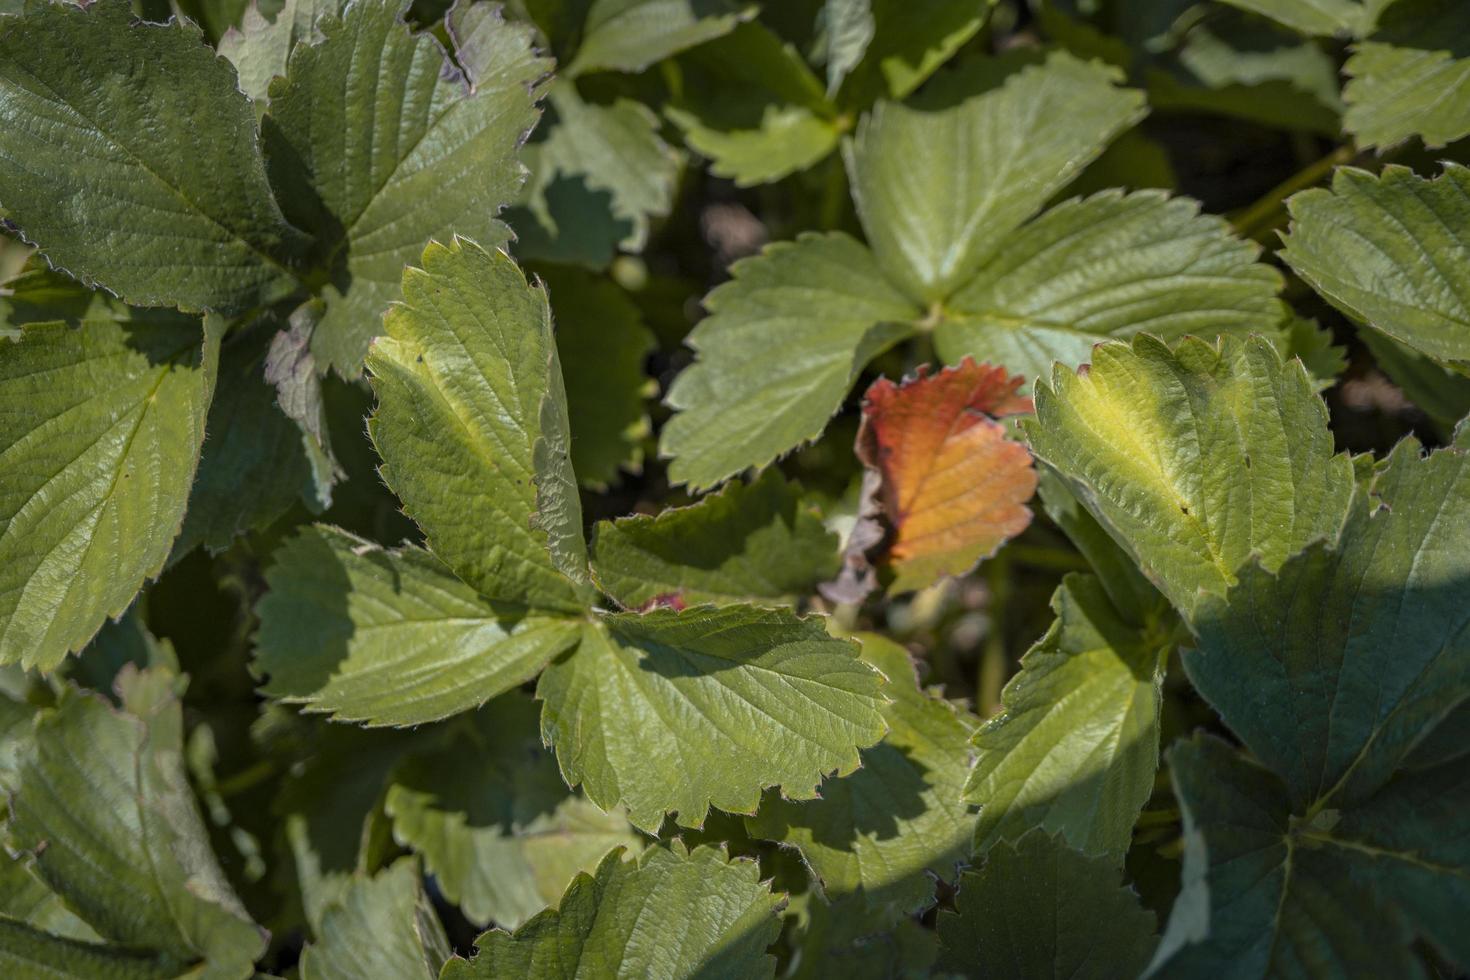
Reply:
x=951 y=485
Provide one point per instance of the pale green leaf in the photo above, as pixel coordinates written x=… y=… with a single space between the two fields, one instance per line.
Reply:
x=1076 y=746
x=668 y=914
x=603 y=342
x=384 y=926
x=469 y=406
x=1108 y=266
x=630 y=35
x=290 y=368
x=749 y=541
x=1196 y=459
x=1268 y=893
x=498 y=829
x=1319 y=17
x=1389 y=252
x=941 y=186
x=376 y=143
x=910 y=39
x=390 y=637
x=129 y=155
x=682 y=711
x=260 y=46
x=100 y=799
x=1039 y=909
x=849 y=28
x=252 y=467
x=612 y=149
x=783 y=343
x=1331 y=669
x=751 y=105
x=1412 y=77
x=102 y=411
x=883 y=830
x=1242 y=67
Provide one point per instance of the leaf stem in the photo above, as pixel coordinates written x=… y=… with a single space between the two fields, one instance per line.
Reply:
x=1269 y=213
x=993 y=661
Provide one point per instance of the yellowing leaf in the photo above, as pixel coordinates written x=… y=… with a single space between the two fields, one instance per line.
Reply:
x=953 y=488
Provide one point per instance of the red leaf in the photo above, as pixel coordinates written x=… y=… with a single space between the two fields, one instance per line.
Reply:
x=951 y=487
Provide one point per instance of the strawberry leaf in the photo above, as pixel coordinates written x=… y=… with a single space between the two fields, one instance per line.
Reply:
x=1196 y=459
x=390 y=637
x=127 y=150
x=883 y=831
x=680 y=711
x=749 y=541
x=472 y=427
x=1076 y=746
x=498 y=829
x=376 y=142
x=104 y=408
x=1369 y=245
x=953 y=488
x=720 y=910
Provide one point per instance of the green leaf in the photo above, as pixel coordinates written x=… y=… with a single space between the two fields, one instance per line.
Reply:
x=38 y=955
x=260 y=46
x=1269 y=893
x=1076 y=746
x=671 y=913
x=1131 y=595
x=331 y=800
x=129 y=155
x=1310 y=342
x=749 y=541
x=783 y=343
x=100 y=799
x=940 y=186
x=252 y=467
x=1037 y=908
x=630 y=35
x=471 y=424
x=1196 y=459
x=1379 y=249
x=1440 y=393
x=883 y=830
x=682 y=711
x=849 y=26
x=1412 y=78
x=1240 y=66
x=614 y=149
x=498 y=829
x=850 y=939
x=1320 y=17
x=103 y=410
x=1110 y=265
x=382 y=926
x=390 y=637
x=751 y=105
x=376 y=143
x=909 y=40
x=1331 y=669
x=603 y=342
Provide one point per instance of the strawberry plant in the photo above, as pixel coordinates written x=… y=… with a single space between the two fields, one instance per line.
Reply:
x=693 y=488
